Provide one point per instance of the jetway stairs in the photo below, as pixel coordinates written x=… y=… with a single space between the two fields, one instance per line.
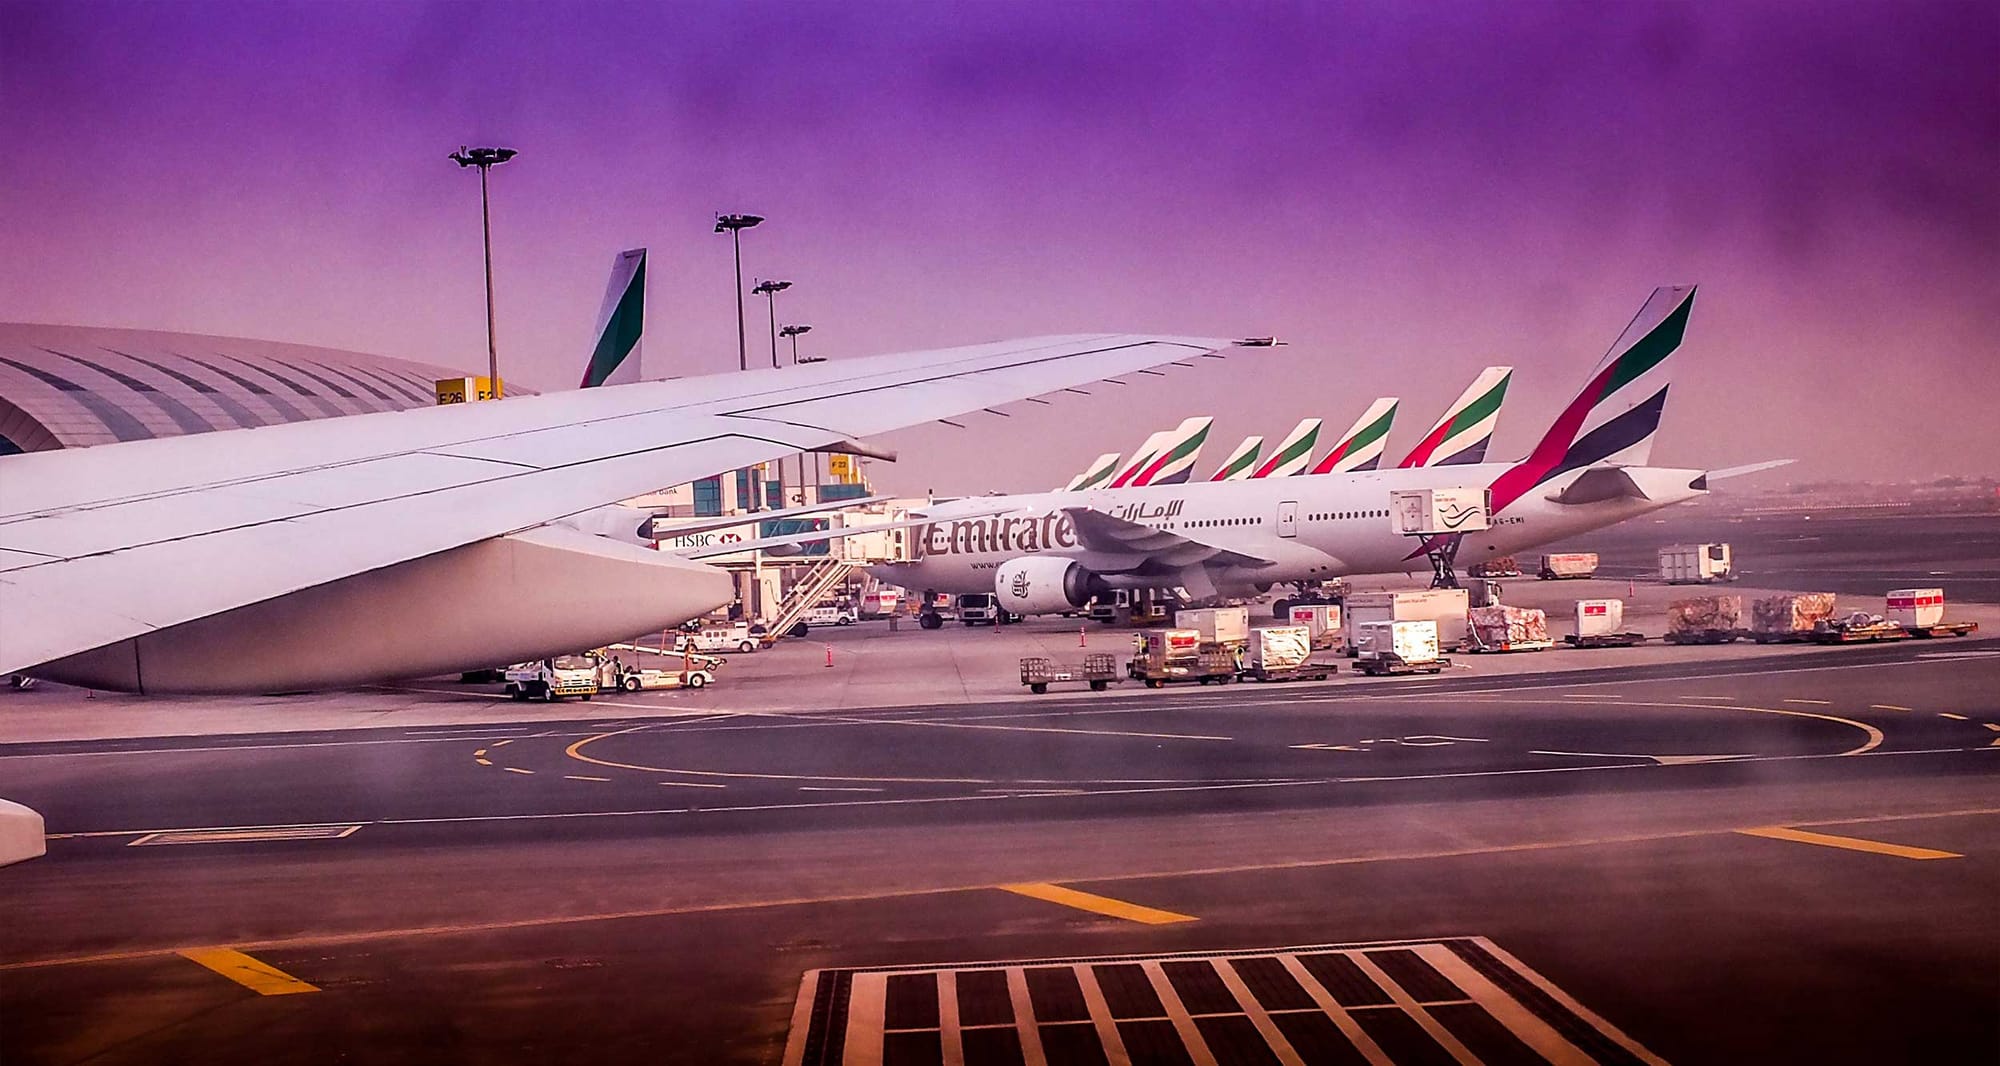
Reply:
x=814 y=584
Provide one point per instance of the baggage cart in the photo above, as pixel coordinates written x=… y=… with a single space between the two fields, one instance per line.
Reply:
x=1282 y=653
x=1099 y=671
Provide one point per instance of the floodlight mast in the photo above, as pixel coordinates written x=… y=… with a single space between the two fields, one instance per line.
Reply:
x=486 y=159
x=734 y=225
x=769 y=290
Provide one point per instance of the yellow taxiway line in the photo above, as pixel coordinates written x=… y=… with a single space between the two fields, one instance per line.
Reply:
x=1096 y=904
x=259 y=977
x=1828 y=840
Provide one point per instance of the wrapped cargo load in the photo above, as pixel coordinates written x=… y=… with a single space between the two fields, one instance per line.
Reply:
x=1704 y=618
x=1790 y=616
x=1502 y=628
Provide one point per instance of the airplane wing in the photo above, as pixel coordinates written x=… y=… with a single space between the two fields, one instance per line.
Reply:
x=99 y=545
x=1098 y=532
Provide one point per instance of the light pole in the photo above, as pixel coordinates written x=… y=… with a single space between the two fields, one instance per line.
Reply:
x=770 y=289
x=486 y=159
x=793 y=333
x=734 y=225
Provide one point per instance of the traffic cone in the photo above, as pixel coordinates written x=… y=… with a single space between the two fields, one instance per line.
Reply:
x=1080 y=641
x=829 y=654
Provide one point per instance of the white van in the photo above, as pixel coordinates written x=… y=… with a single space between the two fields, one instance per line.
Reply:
x=719 y=638
x=831 y=614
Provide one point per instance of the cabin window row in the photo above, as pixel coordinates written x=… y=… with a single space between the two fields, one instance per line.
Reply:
x=1210 y=523
x=1336 y=516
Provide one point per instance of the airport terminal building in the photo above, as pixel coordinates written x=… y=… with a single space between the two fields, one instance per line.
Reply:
x=74 y=386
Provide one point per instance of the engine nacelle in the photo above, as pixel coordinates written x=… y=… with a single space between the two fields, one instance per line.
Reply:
x=1042 y=585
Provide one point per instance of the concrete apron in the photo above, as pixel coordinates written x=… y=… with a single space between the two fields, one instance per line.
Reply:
x=22 y=835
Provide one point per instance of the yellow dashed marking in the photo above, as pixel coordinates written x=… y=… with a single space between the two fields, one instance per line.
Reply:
x=1953 y=717
x=581 y=777
x=692 y=784
x=1815 y=703
x=1827 y=840
x=479 y=753
x=1096 y=904
x=516 y=770
x=259 y=977
x=1994 y=727
x=502 y=743
x=1887 y=707
x=484 y=762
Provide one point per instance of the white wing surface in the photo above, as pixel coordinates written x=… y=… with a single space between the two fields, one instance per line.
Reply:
x=103 y=544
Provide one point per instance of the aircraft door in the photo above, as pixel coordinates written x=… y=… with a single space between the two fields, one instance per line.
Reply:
x=1288 y=518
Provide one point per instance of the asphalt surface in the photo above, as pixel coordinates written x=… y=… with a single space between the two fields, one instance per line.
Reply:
x=1863 y=555
x=591 y=888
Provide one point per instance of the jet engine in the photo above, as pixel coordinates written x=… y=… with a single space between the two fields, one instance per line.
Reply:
x=1043 y=585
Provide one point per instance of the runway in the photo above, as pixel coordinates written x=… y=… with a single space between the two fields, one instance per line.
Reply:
x=1788 y=860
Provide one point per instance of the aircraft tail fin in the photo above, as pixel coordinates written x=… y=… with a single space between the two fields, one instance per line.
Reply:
x=1096 y=475
x=1615 y=416
x=1175 y=462
x=1148 y=451
x=1241 y=463
x=1294 y=453
x=1461 y=436
x=1361 y=447
x=621 y=320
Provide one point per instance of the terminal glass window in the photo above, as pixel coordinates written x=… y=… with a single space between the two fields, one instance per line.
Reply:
x=708 y=497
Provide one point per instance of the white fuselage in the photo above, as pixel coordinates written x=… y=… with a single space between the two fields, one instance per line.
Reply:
x=1311 y=527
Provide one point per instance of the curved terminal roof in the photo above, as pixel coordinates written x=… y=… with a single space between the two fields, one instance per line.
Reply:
x=73 y=386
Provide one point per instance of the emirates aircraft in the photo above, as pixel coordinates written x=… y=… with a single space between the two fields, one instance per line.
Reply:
x=1050 y=552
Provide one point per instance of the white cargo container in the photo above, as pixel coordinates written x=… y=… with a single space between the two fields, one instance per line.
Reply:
x=1915 y=607
x=1600 y=618
x=1276 y=648
x=1322 y=621
x=1217 y=625
x=1559 y=566
x=1412 y=642
x=1413 y=512
x=1694 y=564
x=1444 y=607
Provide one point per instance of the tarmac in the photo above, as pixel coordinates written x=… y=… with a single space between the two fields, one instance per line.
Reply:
x=1739 y=853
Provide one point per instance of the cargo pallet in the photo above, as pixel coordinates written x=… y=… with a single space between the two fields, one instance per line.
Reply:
x=1308 y=672
x=1394 y=664
x=1477 y=646
x=1890 y=631
x=1099 y=671
x=1799 y=637
x=1605 y=640
x=1704 y=636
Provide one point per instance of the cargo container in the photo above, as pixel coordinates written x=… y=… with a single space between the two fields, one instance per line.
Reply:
x=1785 y=618
x=1601 y=624
x=1278 y=647
x=1695 y=564
x=1565 y=565
x=1599 y=618
x=1398 y=647
x=1217 y=625
x=1445 y=607
x=1915 y=608
x=1322 y=621
x=1163 y=655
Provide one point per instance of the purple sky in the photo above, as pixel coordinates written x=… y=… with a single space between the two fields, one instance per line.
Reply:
x=1404 y=197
